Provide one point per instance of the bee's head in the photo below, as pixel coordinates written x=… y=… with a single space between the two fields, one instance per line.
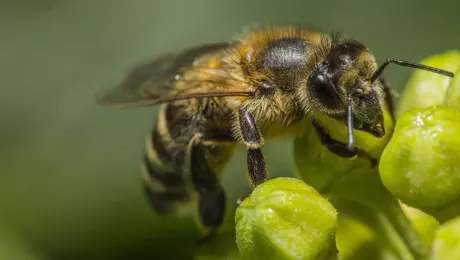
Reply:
x=343 y=84
x=340 y=86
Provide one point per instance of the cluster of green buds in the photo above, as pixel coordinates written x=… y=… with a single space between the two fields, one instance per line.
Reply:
x=421 y=164
x=337 y=208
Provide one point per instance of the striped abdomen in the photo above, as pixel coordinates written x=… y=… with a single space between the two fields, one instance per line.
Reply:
x=164 y=171
x=180 y=168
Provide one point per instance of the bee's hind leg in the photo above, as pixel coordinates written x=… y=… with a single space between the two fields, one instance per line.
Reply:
x=211 y=196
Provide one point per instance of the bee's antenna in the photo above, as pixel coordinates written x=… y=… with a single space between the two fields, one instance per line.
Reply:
x=351 y=140
x=379 y=71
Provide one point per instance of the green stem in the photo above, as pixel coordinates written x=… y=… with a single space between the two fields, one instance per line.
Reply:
x=387 y=236
x=404 y=227
x=365 y=188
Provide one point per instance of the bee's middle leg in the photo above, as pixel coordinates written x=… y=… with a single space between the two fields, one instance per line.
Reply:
x=253 y=140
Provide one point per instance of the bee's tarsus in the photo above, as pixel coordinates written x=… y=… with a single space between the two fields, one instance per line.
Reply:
x=256 y=166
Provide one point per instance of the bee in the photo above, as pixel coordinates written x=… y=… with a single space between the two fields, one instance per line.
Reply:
x=262 y=85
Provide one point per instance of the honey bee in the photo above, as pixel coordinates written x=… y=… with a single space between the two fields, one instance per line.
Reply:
x=260 y=86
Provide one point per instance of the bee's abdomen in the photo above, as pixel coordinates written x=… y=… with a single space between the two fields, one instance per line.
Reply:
x=164 y=189
x=164 y=180
x=178 y=164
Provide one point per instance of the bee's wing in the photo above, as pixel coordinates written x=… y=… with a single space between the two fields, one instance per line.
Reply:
x=154 y=82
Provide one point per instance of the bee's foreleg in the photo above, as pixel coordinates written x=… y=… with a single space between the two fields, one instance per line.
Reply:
x=333 y=145
x=339 y=148
x=253 y=141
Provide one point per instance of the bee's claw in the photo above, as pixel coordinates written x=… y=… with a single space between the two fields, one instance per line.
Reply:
x=205 y=239
x=241 y=199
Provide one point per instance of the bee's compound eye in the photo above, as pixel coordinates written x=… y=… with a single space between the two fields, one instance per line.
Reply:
x=321 y=89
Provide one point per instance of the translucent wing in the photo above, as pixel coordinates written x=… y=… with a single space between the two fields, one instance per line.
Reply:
x=156 y=82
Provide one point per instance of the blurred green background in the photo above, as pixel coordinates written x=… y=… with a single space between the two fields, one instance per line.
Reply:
x=70 y=170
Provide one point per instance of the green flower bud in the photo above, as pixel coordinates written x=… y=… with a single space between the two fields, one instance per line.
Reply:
x=452 y=98
x=420 y=165
x=447 y=241
x=284 y=218
x=425 y=88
